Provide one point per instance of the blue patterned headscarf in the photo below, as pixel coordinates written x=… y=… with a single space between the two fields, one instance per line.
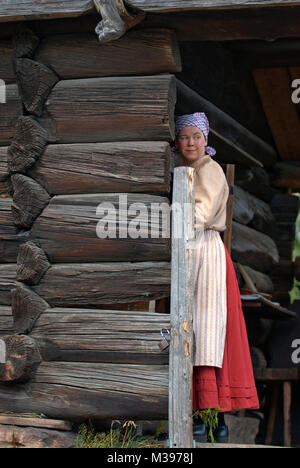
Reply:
x=199 y=120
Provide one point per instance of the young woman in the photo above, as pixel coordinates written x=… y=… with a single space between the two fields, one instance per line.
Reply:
x=223 y=374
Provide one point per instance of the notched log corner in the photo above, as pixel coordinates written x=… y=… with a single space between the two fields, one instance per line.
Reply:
x=27 y=306
x=28 y=144
x=19 y=358
x=116 y=19
x=29 y=200
x=25 y=42
x=32 y=263
x=35 y=82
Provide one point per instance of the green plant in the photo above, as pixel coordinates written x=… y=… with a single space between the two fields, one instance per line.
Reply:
x=210 y=418
x=119 y=436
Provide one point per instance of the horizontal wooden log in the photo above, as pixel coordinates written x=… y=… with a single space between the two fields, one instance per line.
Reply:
x=9 y=113
x=19 y=357
x=81 y=391
x=253 y=212
x=33 y=437
x=93 y=284
x=41 y=422
x=91 y=335
x=10 y=240
x=233 y=142
x=285 y=207
x=8 y=281
x=286 y=175
x=6 y=65
x=175 y=5
x=146 y=52
x=264 y=24
x=68 y=230
x=111 y=109
x=253 y=248
x=261 y=281
x=104 y=167
x=256 y=181
x=6 y=321
x=4 y=174
x=34 y=9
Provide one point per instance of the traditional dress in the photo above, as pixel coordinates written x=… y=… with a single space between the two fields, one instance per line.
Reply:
x=223 y=374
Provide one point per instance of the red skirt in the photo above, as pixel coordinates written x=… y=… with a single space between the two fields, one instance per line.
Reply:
x=231 y=387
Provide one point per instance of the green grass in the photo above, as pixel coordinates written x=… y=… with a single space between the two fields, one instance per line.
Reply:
x=119 y=436
x=295 y=291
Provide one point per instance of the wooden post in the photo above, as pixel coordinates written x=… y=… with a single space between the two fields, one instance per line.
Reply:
x=182 y=296
x=230 y=170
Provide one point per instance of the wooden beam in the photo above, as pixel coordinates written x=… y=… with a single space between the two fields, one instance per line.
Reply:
x=103 y=227
x=118 y=109
x=264 y=24
x=274 y=87
x=92 y=335
x=234 y=143
x=9 y=238
x=95 y=284
x=175 y=5
x=182 y=297
x=36 y=9
x=9 y=113
x=143 y=52
x=6 y=321
x=103 y=167
x=8 y=281
x=286 y=175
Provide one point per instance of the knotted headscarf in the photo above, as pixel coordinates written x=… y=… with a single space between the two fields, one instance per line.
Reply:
x=199 y=120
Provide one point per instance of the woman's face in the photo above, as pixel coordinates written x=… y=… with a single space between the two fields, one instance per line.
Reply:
x=191 y=143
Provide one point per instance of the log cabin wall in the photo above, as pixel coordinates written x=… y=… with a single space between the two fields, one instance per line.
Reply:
x=84 y=123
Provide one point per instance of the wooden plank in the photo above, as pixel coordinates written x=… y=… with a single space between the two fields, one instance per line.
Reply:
x=9 y=113
x=145 y=52
x=91 y=335
x=174 y=5
x=274 y=87
x=111 y=109
x=230 y=171
x=263 y=24
x=275 y=374
x=98 y=390
x=104 y=167
x=32 y=437
x=103 y=227
x=8 y=281
x=93 y=284
x=233 y=142
x=14 y=10
x=286 y=175
x=15 y=420
x=182 y=297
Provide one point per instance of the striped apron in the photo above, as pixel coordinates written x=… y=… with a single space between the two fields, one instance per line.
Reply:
x=210 y=295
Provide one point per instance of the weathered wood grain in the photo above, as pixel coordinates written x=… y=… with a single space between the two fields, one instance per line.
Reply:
x=4 y=174
x=286 y=175
x=9 y=238
x=174 y=5
x=182 y=307
x=26 y=308
x=104 y=227
x=8 y=281
x=6 y=62
x=21 y=358
x=13 y=10
x=256 y=181
x=111 y=109
x=93 y=284
x=253 y=248
x=32 y=263
x=145 y=52
x=28 y=144
x=89 y=335
x=29 y=200
x=34 y=437
x=6 y=321
x=252 y=211
x=9 y=113
x=104 y=167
